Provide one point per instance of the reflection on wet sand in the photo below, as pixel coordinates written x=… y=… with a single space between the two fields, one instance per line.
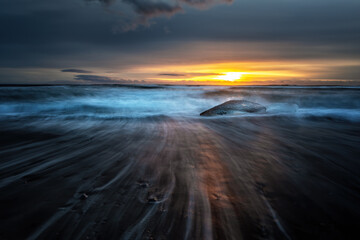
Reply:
x=164 y=178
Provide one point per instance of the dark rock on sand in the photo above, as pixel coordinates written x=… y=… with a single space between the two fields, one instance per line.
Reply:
x=153 y=199
x=235 y=107
x=84 y=196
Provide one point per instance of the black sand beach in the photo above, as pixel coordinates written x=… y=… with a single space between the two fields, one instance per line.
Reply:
x=170 y=177
x=180 y=120
x=160 y=178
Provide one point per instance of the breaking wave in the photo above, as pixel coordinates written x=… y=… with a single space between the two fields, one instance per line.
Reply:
x=132 y=101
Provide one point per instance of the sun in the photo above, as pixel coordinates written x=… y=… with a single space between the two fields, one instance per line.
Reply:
x=230 y=76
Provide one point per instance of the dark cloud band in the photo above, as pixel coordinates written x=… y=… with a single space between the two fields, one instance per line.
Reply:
x=73 y=70
x=146 y=9
x=172 y=74
x=105 y=80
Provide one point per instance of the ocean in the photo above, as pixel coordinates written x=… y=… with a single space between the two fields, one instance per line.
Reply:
x=136 y=101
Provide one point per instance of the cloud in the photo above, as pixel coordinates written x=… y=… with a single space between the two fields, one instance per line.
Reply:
x=51 y=36
x=105 y=2
x=189 y=74
x=205 y=3
x=105 y=80
x=108 y=2
x=147 y=9
x=172 y=74
x=73 y=70
x=154 y=8
x=351 y=72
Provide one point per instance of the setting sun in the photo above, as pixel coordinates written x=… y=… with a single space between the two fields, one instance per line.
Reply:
x=230 y=76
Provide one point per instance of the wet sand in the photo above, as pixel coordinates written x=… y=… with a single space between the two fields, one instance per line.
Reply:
x=167 y=178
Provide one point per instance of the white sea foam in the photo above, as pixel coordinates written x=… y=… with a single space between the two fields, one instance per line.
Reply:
x=111 y=102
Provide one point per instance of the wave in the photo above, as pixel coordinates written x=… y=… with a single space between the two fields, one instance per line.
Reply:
x=119 y=102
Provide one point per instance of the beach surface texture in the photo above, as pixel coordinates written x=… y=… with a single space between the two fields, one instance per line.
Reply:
x=139 y=162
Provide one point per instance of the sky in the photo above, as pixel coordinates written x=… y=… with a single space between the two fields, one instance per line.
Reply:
x=221 y=42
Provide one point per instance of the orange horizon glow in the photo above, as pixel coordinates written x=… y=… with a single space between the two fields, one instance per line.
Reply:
x=235 y=73
x=230 y=76
x=229 y=73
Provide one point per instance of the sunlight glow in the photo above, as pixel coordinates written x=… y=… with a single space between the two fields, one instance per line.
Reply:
x=223 y=73
x=230 y=76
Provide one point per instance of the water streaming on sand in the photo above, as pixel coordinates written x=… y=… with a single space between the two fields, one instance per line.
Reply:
x=115 y=162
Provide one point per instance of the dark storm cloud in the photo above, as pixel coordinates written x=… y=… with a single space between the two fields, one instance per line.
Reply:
x=166 y=7
x=51 y=34
x=151 y=8
x=73 y=70
x=104 y=80
x=147 y=9
x=155 y=8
